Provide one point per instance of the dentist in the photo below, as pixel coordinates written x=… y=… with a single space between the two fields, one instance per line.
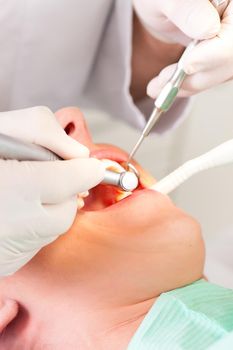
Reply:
x=99 y=54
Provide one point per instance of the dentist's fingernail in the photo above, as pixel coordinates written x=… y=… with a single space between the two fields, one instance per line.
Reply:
x=190 y=69
x=210 y=24
x=212 y=31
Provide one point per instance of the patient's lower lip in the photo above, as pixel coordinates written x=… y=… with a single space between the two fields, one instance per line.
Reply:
x=127 y=201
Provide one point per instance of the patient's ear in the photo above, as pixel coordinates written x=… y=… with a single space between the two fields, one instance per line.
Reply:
x=73 y=122
x=8 y=311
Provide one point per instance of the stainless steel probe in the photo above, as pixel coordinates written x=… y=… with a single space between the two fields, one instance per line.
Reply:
x=169 y=93
x=15 y=149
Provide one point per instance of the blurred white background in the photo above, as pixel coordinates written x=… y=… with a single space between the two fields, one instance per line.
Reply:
x=206 y=196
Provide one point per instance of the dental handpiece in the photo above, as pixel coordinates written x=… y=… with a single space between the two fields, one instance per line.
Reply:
x=15 y=149
x=169 y=93
x=221 y=155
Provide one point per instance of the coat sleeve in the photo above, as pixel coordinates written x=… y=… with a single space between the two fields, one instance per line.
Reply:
x=108 y=84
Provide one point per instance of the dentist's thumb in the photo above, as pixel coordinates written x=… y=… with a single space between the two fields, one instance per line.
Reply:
x=198 y=19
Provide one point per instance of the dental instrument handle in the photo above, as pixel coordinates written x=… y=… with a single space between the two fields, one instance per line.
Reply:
x=12 y=148
x=15 y=149
x=221 y=155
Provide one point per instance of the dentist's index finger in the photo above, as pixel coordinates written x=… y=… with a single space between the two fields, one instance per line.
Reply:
x=65 y=146
x=50 y=182
x=61 y=180
x=192 y=84
x=39 y=125
x=197 y=19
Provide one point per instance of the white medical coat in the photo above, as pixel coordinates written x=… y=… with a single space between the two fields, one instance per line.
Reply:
x=70 y=52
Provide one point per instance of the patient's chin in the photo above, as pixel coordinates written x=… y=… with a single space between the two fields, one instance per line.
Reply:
x=187 y=252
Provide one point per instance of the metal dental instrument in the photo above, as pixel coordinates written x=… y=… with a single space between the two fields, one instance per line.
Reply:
x=12 y=148
x=127 y=181
x=169 y=93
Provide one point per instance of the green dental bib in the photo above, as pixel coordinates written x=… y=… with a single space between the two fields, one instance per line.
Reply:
x=191 y=318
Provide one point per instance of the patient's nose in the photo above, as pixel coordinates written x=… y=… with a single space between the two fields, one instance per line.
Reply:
x=74 y=124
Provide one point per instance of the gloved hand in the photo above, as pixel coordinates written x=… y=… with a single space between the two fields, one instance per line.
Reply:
x=177 y=21
x=38 y=200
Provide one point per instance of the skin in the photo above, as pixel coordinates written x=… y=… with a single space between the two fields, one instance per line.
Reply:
x=92 y=288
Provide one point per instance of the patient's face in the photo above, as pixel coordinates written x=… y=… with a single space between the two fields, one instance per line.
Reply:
x=118 y=254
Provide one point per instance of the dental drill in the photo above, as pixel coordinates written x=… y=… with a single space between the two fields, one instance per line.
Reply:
x=12 y=148
x=221 y=155
x=168 y=95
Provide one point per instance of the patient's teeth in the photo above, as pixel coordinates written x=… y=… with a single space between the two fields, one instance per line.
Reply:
x=80 y=203
x=84 y=194
x=112 y=165
x=122 y=195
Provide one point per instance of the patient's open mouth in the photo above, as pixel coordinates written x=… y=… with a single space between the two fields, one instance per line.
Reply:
x=103 y=196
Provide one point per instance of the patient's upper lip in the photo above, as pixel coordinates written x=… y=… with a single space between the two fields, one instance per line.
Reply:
x=120 y=156
x=111 y=153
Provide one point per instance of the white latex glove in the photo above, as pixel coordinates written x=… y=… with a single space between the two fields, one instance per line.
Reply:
x=38 y=200
x=177 y=21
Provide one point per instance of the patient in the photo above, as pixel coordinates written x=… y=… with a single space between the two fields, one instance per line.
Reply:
x=93 y=287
